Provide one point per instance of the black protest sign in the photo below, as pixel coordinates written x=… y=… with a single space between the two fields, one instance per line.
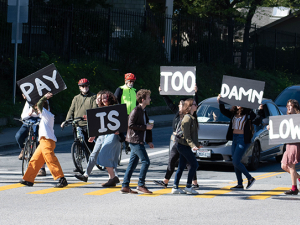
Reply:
x=177 y=80
x=40 y=83
x=242 y=92
x=107 y=120
x=284 y=129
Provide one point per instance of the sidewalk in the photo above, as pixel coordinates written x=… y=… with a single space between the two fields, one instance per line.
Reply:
x=8 y=141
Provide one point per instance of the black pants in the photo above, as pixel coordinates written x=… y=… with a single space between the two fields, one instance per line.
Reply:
x=173 y=159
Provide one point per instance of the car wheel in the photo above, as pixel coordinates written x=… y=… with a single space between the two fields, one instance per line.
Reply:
x=255 y=159
x=279 y=157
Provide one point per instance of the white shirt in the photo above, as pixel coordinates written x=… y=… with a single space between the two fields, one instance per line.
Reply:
x=46 y=125
x=26 y=110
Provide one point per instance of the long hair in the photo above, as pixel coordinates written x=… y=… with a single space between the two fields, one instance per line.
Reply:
x=295 y=105
x=241 y=111
x=111 y=98
x=186 y=108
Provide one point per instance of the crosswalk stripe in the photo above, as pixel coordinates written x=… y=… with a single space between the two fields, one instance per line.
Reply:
x=11 y=186
x=268 y=194
x=214 y=193
x=161 y=192
x=105 y=191
x=51 y=190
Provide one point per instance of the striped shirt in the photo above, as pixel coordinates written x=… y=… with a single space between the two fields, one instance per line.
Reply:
x=238 y=123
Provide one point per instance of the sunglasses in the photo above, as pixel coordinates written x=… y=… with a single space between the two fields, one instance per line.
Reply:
x=84 y=86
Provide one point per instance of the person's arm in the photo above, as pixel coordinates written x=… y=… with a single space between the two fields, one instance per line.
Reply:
x=133 y=117
x=196 y=96
x=225 y=111
x=170 y=104
x=71 y=110
x=40 y=103
x=94 y=103
x=118 y=94
x=186 y=130
x=255 y=118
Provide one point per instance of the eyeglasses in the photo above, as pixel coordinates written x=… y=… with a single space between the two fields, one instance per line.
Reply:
x=84 y=86
x=131 y=81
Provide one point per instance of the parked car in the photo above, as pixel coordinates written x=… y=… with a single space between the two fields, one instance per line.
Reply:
x=292 y=92
x=213 y=126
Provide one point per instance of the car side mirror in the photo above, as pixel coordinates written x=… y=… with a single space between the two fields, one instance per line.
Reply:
x=265 y=121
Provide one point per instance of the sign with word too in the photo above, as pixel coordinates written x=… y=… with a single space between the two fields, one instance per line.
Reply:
x=107 y=120
x=177 y=80
x=40 y=83
x=284 y=129
x=242 y=92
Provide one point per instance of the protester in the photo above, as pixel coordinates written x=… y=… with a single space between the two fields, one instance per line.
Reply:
x=139 y=132
x=174 y=154
x=80 y=103
x=291 y=155
x=240 y=132
x=45 y=150
x=109 y=147
x=186 y=143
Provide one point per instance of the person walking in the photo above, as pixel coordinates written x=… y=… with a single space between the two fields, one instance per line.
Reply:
x=139 y=131
x=187 y=141
x=45 y=150
x=240 y=133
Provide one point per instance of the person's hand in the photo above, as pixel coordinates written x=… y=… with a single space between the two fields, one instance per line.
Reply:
x=218 y=99
x=84 y=117
x=91 y=139
x=159 y=89
x=200 y=146
x=48 y=95
x=261 y=106
x=62 y=124
x=151 y=145
x=195 y=148
x=149 y=126
x=117 y=132
x=195 y=88
x=268 y=127
x=24 y=96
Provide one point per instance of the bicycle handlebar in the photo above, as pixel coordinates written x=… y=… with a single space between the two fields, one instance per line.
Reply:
x=72 y=121
x=27 y=123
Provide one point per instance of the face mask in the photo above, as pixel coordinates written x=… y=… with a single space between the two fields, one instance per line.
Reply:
x=130 y=85
x=84 y=90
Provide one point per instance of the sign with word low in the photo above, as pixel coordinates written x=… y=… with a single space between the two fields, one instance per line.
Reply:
x=107 y=120
x=284 y=129
x=177 y=80
x=242 y=92
x=40 y=83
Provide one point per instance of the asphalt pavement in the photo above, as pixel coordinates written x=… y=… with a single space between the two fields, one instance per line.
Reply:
x=8 y=141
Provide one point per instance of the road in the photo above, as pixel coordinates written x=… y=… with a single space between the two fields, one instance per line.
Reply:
x=89 y=203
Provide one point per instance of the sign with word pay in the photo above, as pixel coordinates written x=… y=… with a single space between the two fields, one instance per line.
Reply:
x=107 y=120
x=284 y=129
x=36 y=85
x=177 y=80
x=242 y=92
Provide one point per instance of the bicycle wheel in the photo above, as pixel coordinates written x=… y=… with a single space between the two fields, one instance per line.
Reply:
x=79 y=156
x=26 y=157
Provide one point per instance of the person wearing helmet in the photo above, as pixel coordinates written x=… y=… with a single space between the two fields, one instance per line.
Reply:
x=80 y=103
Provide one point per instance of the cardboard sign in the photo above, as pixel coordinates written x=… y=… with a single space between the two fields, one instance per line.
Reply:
x=177 y=80
x=284 y=129
x=40 y=83
x=107 y=120
x=242 y=92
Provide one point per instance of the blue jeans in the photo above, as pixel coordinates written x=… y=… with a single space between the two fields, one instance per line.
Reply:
x=186 y=156
x=22 y=133
x=94 y=155
x=238 y=149
x=137 y=152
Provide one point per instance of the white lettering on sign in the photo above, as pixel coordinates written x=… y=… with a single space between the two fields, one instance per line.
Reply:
x=40 y=85
x=27 y=92
x=183 y=81
x=110 y=118
x=238 y=94
x=290 y=129
x=166 y=75
x=52 y=79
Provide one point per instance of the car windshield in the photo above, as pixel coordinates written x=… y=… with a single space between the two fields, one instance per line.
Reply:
x=210 y=113
x=286 y=95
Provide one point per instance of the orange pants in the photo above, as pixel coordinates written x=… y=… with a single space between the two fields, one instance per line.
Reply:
x=43 y=153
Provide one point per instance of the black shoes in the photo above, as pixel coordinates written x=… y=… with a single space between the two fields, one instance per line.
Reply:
x=160 y=183
x=237 y=187
x=27 y=183
x=82 y=178
x=250 y=182
x=62 y=183
x=291 y=192
x=75 y=170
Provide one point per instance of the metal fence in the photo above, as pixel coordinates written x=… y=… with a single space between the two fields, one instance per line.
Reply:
x=107 y=34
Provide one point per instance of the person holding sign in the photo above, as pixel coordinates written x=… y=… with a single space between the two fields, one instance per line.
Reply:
x=186 y=143
x=240 y=133
x=45 y=150
x=139 y=132
x=292 y=154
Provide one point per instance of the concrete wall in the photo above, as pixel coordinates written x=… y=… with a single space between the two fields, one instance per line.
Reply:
x=133 y=5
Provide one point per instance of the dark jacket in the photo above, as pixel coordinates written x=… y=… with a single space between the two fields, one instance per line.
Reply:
x=137 y=127
x=250 y=116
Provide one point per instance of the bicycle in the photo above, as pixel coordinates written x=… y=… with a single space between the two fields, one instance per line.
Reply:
x=30 y=144
x=79 y=149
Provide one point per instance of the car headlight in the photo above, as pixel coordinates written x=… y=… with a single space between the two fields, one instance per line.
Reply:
x=229 y=143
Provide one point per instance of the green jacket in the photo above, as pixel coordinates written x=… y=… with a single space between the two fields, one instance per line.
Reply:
x=80 y=104
x=190 y=131
x=128 y=98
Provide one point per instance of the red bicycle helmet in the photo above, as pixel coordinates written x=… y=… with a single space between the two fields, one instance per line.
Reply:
x=83 y=81
x=130 y=76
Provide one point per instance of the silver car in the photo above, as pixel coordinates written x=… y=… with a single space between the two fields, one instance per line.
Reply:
x=213 y=126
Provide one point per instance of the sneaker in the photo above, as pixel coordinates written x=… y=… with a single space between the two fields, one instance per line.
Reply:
x=237 y=187
x=21 y=155
x=195 y=186
x=81 y=177
x=291 y=192
x=27 y=183
x=161 y=183
x=250 y=182
x=42 y=172
x=62 y=183
x=177 y=191
x=190 y=191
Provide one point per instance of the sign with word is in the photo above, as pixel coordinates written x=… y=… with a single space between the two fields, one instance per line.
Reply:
x=242 y=92
x=40 y=83
x=107 y=120
x=284 y=129
x=177 y=80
